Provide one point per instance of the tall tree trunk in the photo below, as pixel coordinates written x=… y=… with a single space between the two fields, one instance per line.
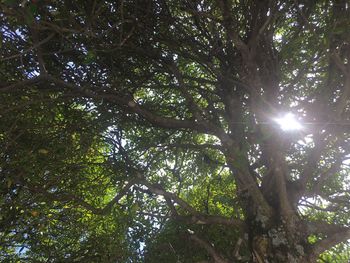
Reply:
x=277 y=242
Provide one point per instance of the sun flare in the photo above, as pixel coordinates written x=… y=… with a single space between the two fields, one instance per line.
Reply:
x=289 y=123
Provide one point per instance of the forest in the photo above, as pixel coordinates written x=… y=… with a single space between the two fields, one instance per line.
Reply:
x=180 y=131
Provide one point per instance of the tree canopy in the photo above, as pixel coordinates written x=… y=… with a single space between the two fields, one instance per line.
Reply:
x=151 y=131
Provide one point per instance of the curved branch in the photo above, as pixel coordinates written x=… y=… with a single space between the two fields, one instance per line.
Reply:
x=195 y=217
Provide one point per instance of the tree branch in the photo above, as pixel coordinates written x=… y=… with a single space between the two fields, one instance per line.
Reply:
x=36 y=45
x=202 y=219
x=157 y=189
x=335 y=235
x=73 y=198
x=209 y=248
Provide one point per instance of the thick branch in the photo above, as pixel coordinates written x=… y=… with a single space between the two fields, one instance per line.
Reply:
x=246 y=183
x=330 y=241
x=321 y=227
x=229 y=26
x=130 y=105
x=344 y=98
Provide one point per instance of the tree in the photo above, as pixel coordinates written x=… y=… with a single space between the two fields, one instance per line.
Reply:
x=161 y=115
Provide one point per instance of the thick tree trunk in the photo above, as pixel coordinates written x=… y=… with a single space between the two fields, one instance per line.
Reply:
x=278 y=243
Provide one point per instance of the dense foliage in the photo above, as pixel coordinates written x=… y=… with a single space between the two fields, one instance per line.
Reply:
x=145 y=131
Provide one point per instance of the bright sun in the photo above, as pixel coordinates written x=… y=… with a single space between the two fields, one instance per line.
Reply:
x=289 y=123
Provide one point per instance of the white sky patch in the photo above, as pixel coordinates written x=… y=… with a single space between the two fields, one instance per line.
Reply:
x=306 y=141
x=347 y=160
x=278 y=37
x=313 y=201
x=289 y=123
